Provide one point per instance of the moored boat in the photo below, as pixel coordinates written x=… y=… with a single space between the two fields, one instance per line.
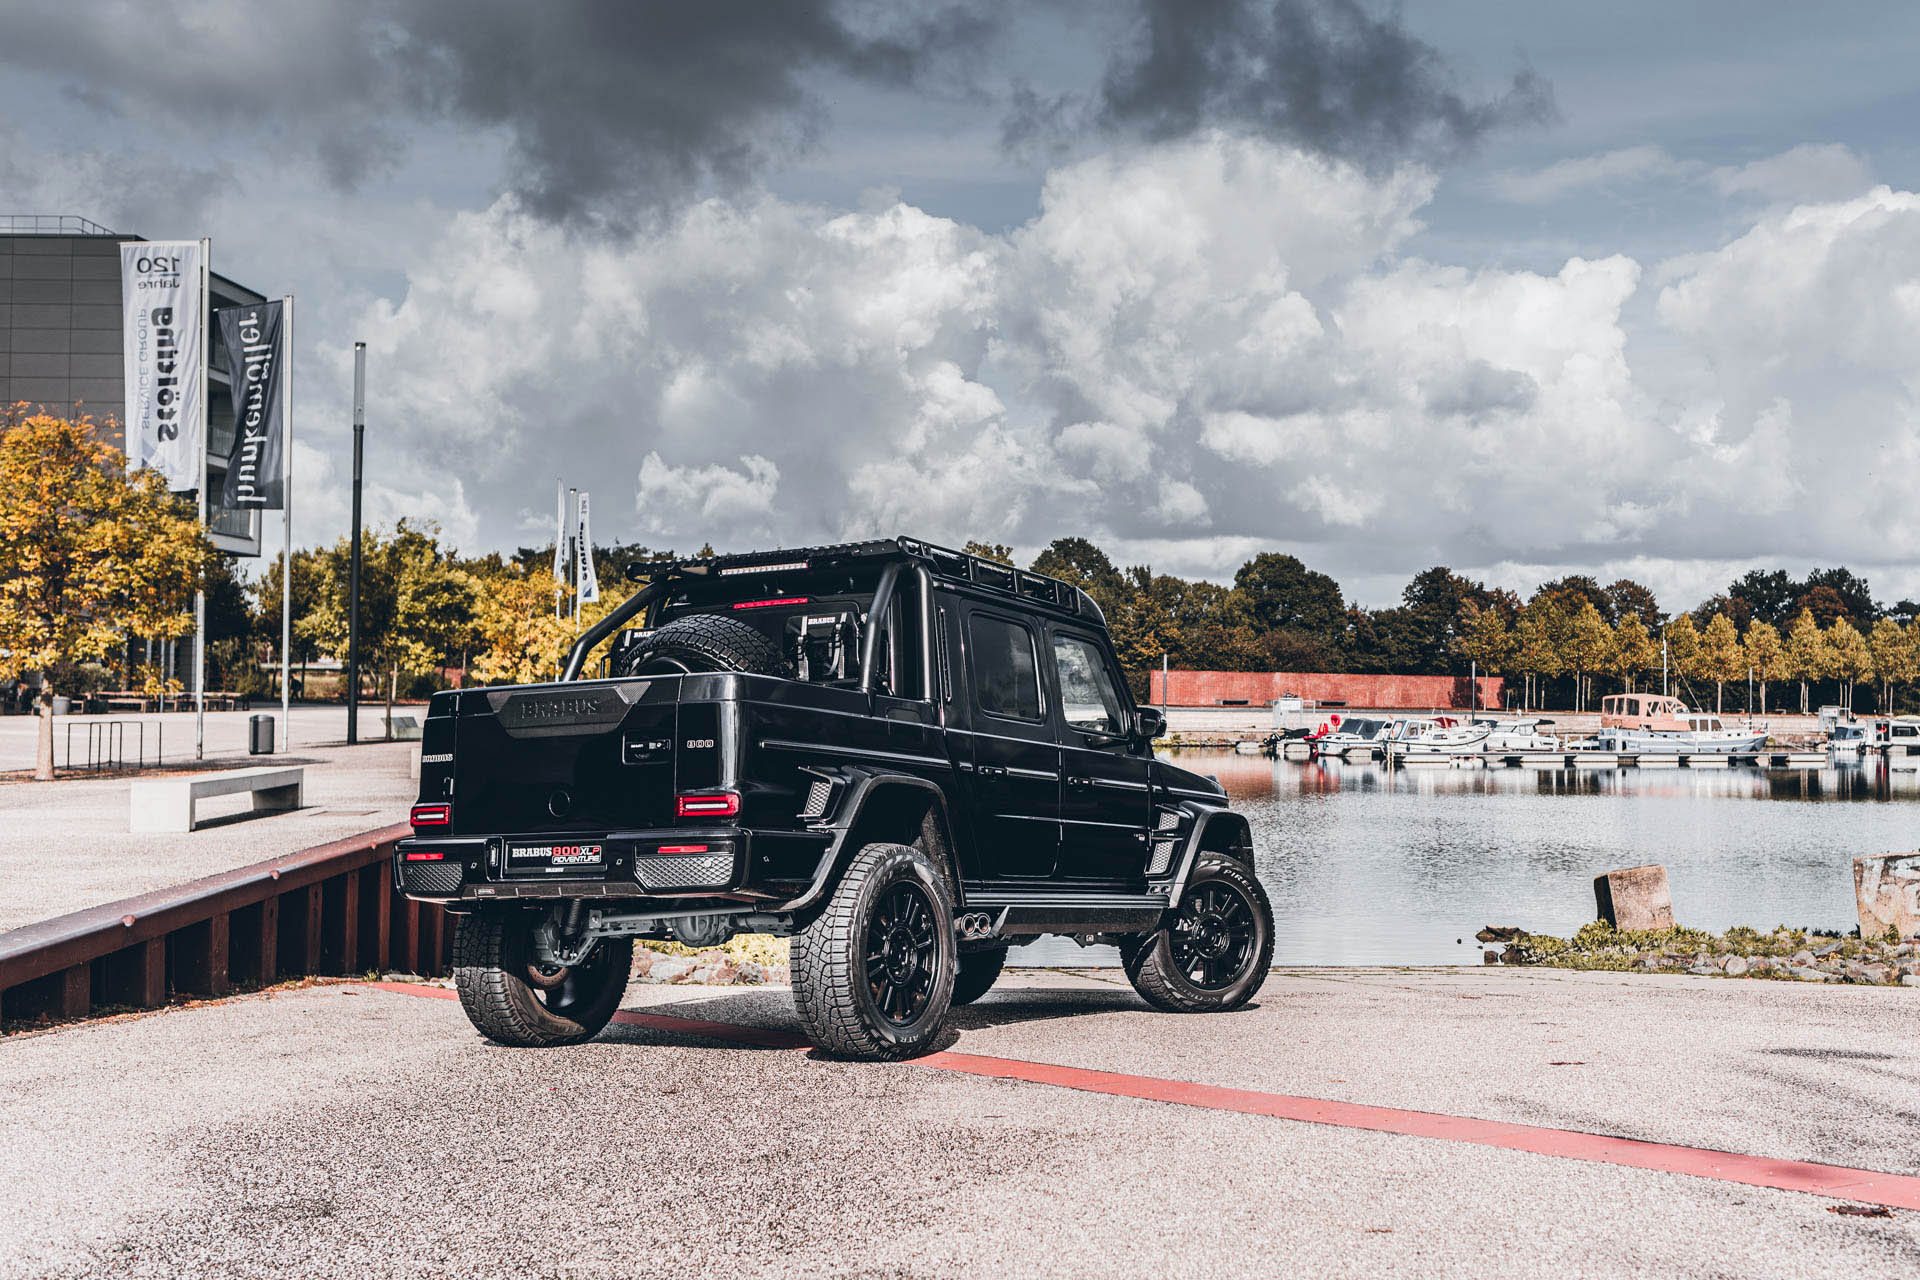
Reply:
x=1434 y=738
x=1635 y=723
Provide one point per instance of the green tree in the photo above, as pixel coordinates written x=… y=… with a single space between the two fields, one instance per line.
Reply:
x=1852 y=658
x=1633 y=651
x=1769 y=597
x=1437 y=601
x=1631 y=600
x=1721 y=657
x=1895 y=660
x=1850 y=589
x=1285 y=595
x=1766 y=656
x=1808 y=657
x=416 y=604
x=86 y=553
x=1575 y=589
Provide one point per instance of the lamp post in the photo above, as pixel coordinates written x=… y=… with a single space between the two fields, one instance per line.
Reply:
x=353 y=562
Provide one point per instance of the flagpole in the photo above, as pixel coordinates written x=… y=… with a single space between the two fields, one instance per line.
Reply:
x=573 y=553
x=286 y=515
x=559 y=540
x=200 y=596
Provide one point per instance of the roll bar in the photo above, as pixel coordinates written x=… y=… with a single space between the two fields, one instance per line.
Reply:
x=593 y=635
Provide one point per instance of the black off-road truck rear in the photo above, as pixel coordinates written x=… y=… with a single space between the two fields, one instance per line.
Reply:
x=904 y=758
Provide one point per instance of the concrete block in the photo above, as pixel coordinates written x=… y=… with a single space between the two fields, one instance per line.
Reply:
x=1886 y=894
x=1634 y=898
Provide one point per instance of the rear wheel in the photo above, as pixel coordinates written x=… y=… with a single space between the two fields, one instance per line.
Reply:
x=873 y=974
x=515 y=997
x=979 y=970
x=1212 y=952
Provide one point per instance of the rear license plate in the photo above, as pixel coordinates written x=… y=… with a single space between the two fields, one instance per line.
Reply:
x=556 y=858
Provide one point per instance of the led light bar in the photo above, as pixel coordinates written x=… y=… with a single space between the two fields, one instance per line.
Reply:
x=739 y=569
x=768 y=604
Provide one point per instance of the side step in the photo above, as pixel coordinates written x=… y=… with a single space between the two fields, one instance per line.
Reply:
x=1022 y=913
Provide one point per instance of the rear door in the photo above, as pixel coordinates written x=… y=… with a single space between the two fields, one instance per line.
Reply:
x=1014 y=779
x=1105 y=804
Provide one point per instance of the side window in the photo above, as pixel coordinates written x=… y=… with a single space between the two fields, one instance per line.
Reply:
x=1005 y=676
x=1088 y=699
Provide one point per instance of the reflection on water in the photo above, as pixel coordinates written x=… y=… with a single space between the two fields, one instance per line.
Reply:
x=1367 y=866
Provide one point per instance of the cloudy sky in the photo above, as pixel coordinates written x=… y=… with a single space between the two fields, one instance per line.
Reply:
x=1522 y=289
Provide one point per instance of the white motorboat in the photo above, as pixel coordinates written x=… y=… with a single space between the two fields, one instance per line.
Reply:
x=1635 y=723
x=1361 y=736
x=1515 y=736
x=1434 y=738
x=1853 y=738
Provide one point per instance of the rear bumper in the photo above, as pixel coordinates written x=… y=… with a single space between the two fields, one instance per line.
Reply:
x=628 y=864
x=667 y=863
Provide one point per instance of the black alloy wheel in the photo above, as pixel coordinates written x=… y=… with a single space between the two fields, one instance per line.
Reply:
x=1213 y=935
x=1211 y=952
x=902 y=954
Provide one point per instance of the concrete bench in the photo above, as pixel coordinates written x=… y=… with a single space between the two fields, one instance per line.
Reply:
x=402 y=728
x=167 y=804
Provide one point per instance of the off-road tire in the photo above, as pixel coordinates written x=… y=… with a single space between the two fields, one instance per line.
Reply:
x=979 y=970
x=838 y=1003
x=491 y=951
x=1158 y=976
x=706 y=642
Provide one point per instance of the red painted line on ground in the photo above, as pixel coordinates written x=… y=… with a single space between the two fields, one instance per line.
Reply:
x=1897 y=1191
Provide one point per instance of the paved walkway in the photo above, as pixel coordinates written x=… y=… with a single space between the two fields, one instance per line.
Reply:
x=65 y=845
x=354 y=1130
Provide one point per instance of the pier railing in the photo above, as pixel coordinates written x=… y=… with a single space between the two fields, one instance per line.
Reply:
x=331 y=909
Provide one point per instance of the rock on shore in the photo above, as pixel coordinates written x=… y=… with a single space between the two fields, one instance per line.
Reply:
x=1783 y=953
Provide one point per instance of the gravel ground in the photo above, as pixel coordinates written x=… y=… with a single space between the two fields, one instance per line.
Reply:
x=64 y=845
x=339 y=1131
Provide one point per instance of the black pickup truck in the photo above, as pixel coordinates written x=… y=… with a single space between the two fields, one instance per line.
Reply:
x=905 y=758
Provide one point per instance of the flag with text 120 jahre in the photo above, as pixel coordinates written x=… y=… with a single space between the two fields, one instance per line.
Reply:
x=256 y=361
x=164 y=355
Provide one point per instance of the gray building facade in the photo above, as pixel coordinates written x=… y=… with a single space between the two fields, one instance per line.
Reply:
x=60 y=343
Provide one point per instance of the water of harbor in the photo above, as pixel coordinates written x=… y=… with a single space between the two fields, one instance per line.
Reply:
x=1371 y=866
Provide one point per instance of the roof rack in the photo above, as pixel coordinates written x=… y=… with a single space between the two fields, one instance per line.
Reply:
x=944 y=562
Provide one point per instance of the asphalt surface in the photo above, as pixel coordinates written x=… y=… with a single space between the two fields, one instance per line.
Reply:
x=354 y=1131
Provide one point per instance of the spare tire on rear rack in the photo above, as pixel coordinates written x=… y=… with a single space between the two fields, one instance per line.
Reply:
x=701 y=642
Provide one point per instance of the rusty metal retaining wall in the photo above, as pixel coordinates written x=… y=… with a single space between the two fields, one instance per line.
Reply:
x=331 y=909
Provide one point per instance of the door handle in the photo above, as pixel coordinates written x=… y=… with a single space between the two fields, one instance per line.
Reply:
x=1080 y=784
x=991 y=770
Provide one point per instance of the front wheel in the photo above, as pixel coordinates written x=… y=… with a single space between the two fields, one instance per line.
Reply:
x=1212 y=952
x=516 y=998
x=873 y=974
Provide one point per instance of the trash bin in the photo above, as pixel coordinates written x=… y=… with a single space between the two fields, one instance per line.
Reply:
x=260 y=735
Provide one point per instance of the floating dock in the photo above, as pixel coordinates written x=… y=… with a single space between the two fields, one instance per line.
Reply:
x=1598 y=759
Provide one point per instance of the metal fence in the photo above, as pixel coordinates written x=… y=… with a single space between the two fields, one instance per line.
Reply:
x=50 y=224
x=331 y=909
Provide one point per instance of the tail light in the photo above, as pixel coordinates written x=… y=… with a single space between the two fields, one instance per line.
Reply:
x=716 y=804
x=425 y=855
x=431 y=815
x=768 y=604
x=681 y=848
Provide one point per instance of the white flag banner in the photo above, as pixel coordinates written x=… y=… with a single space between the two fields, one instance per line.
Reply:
x=589 y=581
x=559 y=533
x=164 y=343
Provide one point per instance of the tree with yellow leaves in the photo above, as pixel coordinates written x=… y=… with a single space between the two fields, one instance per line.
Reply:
x=1808 y=657
x=1634 y=653
x=1852 y=659
x=1766 y=657
x=1895 y=660
x=1683 y=648
x=1721 y=657
x=87 y=552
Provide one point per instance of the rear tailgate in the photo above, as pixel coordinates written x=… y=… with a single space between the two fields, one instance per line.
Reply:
x=587 y=757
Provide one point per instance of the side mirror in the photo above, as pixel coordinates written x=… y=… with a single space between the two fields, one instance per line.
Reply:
x=1149 y=723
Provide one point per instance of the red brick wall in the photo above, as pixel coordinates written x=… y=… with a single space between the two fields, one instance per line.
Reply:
x=1259 y=688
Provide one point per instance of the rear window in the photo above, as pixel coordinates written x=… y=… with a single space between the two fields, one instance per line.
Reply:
x=1005 y=673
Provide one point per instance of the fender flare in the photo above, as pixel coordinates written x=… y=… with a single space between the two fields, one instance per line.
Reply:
x=1227 y=831
x=862 y=785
